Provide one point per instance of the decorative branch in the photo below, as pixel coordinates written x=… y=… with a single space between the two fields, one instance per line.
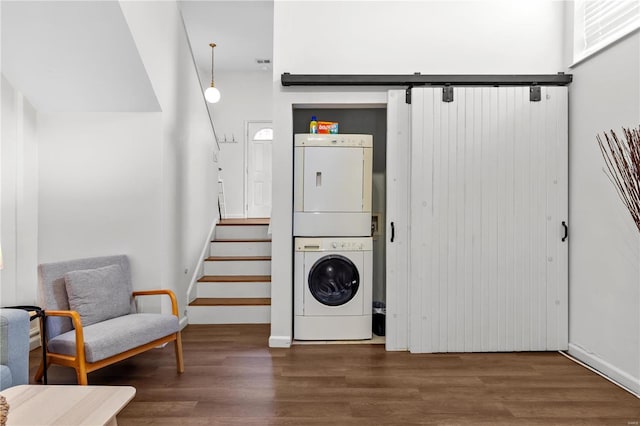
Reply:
x=622 y=158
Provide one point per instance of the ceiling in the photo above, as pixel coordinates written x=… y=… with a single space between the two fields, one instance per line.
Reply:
x=79 y=56
x=242 y=31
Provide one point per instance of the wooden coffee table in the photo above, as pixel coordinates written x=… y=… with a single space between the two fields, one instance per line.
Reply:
x=66 y=405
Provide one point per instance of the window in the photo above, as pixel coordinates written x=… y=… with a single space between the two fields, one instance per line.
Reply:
x=264 y=134
x=598 y=23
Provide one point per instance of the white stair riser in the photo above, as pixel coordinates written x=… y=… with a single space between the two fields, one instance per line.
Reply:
x=241 y=232
x=249 y=248
x=237 y=267
x=234 y=290
x=229 y=314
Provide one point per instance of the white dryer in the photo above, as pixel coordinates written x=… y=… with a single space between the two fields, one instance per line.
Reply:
x=332 y=185
x=333 y=288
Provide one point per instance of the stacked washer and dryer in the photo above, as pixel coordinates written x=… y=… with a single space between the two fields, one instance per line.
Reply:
x=333 y=285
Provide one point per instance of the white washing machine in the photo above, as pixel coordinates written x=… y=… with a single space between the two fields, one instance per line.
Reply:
x=333 y=288
x=332 y=185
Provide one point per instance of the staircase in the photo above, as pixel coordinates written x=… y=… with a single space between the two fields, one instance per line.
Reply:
x=236 y=285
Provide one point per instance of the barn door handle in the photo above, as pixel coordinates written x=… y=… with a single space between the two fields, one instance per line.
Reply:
x=566 y=231
x=393 y=231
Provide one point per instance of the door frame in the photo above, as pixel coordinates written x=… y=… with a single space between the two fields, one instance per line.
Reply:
x=282 y=307
x=247 y=140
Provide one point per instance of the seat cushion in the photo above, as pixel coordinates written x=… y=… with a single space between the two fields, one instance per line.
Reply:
x=98 y=294
x=105 y=339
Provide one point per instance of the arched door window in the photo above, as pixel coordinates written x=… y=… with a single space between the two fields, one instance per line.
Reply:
x=264 y=134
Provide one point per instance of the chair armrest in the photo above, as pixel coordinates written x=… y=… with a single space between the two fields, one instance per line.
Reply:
x=77 y=325
x=171 y=294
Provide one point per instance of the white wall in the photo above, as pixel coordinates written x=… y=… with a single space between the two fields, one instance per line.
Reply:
x=430 y=37
x=100 y=189
x=604 y=293
x=189 y=174
x=136 y=183
x=245 y=96
x=19 y=195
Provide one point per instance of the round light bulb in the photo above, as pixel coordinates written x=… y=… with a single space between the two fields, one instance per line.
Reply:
x=212 y=95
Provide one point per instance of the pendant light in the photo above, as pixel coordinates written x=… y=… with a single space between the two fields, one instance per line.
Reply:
x=212 y=94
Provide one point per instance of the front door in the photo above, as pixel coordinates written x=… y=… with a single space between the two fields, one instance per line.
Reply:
x=258 y=189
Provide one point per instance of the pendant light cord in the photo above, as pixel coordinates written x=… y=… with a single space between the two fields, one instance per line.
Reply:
x=212 y=46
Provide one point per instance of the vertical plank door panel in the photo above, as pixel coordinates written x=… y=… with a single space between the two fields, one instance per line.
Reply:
x=488 y=270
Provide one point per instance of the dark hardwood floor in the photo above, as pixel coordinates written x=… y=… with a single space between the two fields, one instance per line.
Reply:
x=232 y=378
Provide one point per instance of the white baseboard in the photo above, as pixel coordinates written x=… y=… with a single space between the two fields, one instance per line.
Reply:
x=34 y=340
x=184 y=321
x=280 y=341
x=607 y=370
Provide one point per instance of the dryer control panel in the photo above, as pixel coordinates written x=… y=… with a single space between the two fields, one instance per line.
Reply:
x=334 y=244
x=345 y=140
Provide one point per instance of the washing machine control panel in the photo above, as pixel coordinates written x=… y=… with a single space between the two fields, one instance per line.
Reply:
x=334 y=244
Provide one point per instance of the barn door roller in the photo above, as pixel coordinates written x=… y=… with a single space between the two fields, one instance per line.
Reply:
x=535 y=94
x=447 y=94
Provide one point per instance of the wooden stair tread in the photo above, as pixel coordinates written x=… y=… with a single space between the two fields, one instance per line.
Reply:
x=237 y=258
x=231 y=301
x=244 y=222
x=241 y=240
x=234 y=278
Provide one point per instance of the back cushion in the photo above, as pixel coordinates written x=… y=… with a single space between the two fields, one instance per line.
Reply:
x=98 y=294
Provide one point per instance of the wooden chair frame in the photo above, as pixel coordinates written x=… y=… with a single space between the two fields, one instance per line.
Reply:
x=79 y=363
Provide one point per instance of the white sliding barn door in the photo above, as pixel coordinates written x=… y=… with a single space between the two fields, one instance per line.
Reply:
x=489 y=194
x=397 y=231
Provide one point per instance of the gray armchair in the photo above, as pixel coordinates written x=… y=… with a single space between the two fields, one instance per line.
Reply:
x=91 y=318
x=14 y=347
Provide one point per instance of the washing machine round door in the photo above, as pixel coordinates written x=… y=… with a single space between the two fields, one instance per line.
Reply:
x=334 y=280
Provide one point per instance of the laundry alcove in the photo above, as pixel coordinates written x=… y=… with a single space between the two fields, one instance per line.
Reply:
x=365 y=120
